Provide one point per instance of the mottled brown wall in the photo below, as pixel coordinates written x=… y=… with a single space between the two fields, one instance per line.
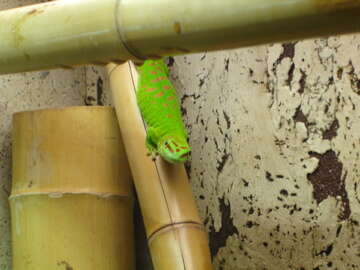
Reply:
x=276 y=134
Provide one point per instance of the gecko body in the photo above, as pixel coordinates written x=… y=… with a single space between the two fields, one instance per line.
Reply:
x=160 y=108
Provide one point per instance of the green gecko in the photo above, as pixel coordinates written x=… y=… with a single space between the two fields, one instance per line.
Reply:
x=160 y=108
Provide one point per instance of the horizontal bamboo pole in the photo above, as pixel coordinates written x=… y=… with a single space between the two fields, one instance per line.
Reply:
x=59 y=34
x=65 y=33
x=71 y=200
x=176 y=236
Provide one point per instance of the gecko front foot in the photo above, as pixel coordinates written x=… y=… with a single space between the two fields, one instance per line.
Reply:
x=150 y=144
x=153 y=155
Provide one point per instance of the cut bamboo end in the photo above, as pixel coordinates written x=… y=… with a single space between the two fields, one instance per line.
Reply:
x=71 y=201
x=166 y=200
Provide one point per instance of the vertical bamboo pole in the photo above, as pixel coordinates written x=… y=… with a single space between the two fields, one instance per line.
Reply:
x=176 y=236
x=71 y=200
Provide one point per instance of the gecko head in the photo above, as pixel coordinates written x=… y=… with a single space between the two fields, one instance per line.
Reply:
x=174 y=149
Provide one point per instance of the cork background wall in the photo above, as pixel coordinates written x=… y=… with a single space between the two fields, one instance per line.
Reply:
x=275 y=132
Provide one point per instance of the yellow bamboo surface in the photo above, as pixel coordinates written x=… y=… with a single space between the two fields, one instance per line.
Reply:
x=65 y=33
x=71 y=200
x=176 y=236
x=59 y=34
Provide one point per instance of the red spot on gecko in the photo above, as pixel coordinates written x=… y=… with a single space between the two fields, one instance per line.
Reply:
x=166 y=105
x=177 y=150
x=169 y=116
x=170 y=98
x=183 y=147
x=158 y=79
x=167 y=87
x=153 y=72
x=150 y=89
x=160 y=94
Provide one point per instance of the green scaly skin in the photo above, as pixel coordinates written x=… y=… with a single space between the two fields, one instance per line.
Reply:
x=160 y=108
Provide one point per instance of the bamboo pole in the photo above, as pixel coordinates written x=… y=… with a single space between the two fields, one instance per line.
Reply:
x=71 y=199
x=59 y=34
x=176 y=236
x=74 y=32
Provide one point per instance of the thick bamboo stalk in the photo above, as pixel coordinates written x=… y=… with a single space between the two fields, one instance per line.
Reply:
x=59 y=34
x=73 y=32
x=176 y=236
x=71 y=199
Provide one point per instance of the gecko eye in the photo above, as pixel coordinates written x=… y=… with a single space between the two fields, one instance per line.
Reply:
x=169 y=148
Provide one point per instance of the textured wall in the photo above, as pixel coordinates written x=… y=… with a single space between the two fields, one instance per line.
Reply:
x=275 y=133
